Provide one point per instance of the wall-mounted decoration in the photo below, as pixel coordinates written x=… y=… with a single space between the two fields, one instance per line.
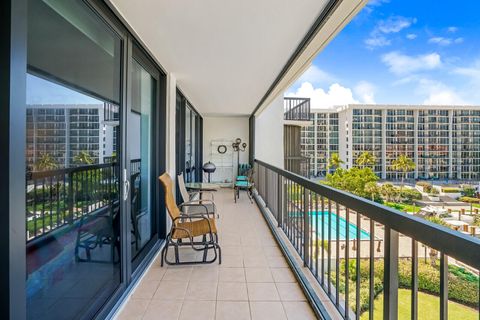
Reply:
x=222 y=149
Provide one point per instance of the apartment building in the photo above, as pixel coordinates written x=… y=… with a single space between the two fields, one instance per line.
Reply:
x=64 y=131
x=443 y=141
x=319 y=140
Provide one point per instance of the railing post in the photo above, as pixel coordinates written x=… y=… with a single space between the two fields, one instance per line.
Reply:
x=306 y=225
x=70 y=197
x=279 y=200
x=390 y=276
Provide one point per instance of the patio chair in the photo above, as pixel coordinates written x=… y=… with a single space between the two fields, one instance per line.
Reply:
x=97 y=229
x=196 y=199
x=188 y=227
x=246 y=185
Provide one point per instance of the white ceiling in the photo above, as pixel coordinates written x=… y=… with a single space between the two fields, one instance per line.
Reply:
x=224 y=54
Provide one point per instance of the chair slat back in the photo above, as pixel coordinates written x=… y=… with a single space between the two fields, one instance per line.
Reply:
x=170 y=203
x=183 y=188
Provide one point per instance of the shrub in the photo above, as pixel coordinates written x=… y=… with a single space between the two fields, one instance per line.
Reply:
x=469 y=192
x=462 y=284
x=450 y=190
x=426 y=186
x=409 y=195
x=469 y=199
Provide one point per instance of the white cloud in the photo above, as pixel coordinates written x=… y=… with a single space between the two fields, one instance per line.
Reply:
x=438 y=93
x=472 y=71
x=411 y=36
x=366 y=91
x=444 y=41
x=401 y=64
x=316 y=76
x=377 y=41
x=393 y=24
x=374 y=3
x=452 y=29
x=321 y=99
x=335 y=95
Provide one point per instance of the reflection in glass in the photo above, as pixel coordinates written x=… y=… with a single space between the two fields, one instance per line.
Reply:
x=72 y=185
x=140 y=149
x=188 y=146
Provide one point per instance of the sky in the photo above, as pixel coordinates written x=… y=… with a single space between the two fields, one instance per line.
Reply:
x=400 y=52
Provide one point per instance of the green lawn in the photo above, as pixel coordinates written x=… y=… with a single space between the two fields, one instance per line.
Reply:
x=403 y=207
x=428 y=307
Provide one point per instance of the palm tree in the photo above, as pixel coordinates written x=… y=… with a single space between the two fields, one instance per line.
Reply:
x=366 y=159
x=335 y=161
x=46 y=162
x=388 y=191
x=403 y=164
x=372 y=189
x=83 y=157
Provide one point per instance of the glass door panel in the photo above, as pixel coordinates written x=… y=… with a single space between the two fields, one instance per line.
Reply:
x=72 y=185
x=140 y=148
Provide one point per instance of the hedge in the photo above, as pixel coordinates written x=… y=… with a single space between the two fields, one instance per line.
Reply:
x=462 y=284
x=469 y=199
x=451 y=190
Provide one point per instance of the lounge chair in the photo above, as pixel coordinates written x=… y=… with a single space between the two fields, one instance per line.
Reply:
x=188 y=227
x=197 y=203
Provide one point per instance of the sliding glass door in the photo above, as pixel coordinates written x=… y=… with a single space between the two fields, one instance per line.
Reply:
x=95 y=143
x=140 y=143
x=73 y=216
x=189 y=140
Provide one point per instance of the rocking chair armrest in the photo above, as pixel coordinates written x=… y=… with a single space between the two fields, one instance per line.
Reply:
x=193 y=204
x=203 y=202
x=200 y=193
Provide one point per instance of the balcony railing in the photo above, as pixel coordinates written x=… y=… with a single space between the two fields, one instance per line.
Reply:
x=374 y=251
x=57 y=198
x=299 y=165
x=297 y=109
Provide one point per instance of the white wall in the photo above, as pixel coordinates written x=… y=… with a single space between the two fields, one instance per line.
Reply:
x=227 y=128
x=269 y=134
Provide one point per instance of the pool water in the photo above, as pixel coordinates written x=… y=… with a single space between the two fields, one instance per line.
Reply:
x=352 y=229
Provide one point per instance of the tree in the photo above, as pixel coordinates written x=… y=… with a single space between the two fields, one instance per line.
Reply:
x=403 y=164
x=335 y=162
x=46 y=162
x=372 y=189
x=352 y=180
x=366 y=159
x=389 y=192
x=83 y=157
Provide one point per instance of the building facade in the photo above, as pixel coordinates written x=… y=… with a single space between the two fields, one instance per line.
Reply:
x=65 y=131
x=443 y=141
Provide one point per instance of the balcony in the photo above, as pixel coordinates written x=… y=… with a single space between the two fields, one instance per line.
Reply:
x=283 y=252
x=254 y=281
x=297 y=110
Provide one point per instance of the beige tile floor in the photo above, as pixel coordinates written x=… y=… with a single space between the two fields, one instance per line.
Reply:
x=253 y=281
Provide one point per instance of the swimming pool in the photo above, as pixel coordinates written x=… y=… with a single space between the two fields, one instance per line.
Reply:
x=352 y=229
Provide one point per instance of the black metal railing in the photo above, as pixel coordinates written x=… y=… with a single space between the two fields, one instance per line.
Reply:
x=299 y=165
x=297 y=109
x=374 y=251
x=57 y=198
